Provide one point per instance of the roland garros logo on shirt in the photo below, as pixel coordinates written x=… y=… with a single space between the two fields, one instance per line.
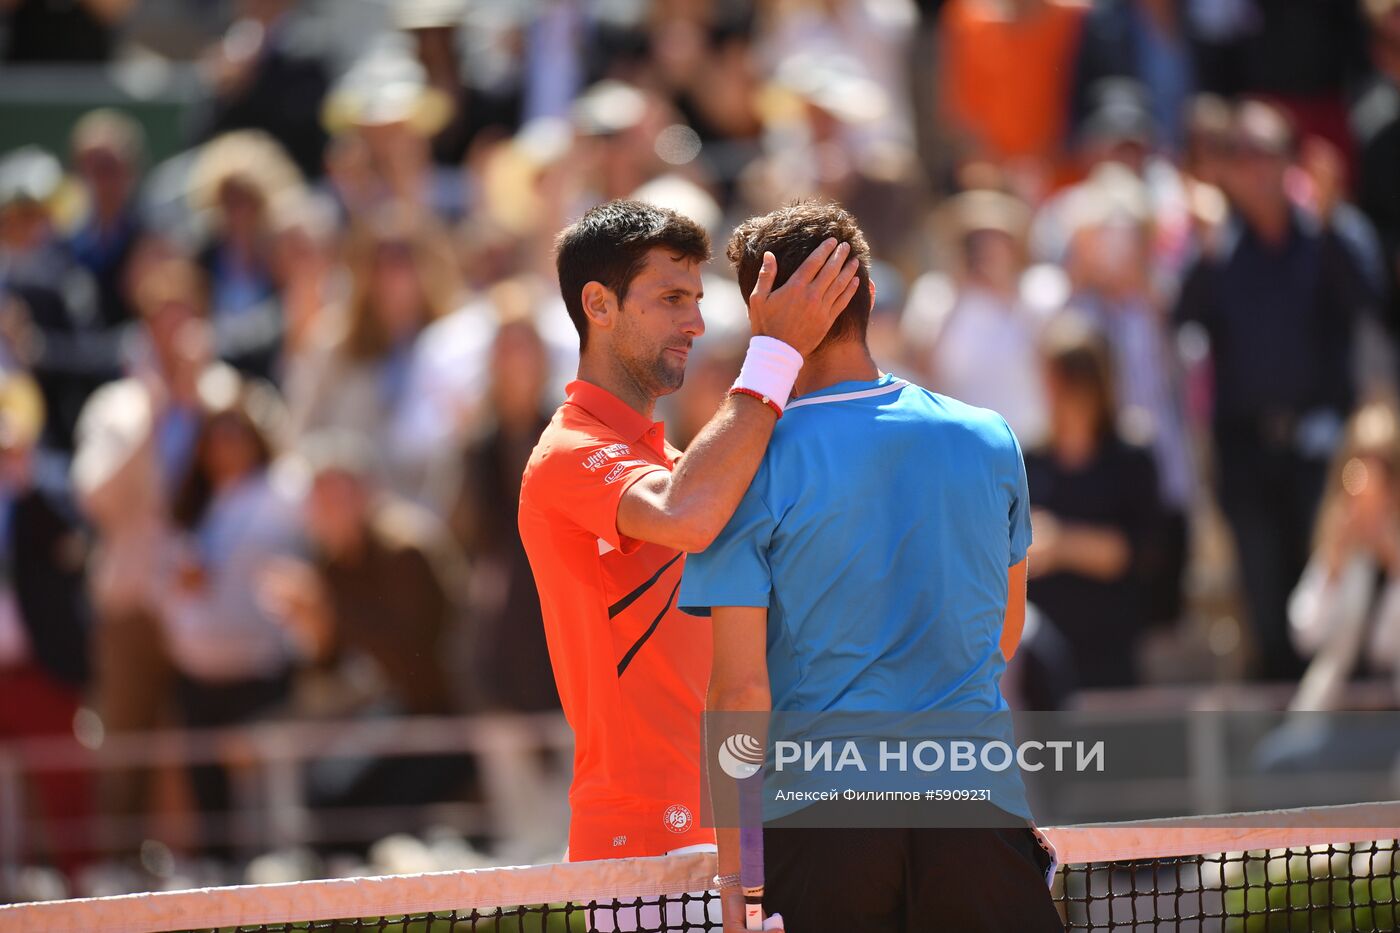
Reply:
x=678 y=818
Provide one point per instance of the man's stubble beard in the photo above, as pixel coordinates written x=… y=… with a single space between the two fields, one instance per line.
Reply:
x=654 y=375
x=650 y=371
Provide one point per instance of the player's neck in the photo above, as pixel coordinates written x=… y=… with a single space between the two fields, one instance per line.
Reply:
x=843 y=361
x=607 y=373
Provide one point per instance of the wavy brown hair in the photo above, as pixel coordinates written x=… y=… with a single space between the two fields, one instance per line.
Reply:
x=791 y=233
x=439 y=279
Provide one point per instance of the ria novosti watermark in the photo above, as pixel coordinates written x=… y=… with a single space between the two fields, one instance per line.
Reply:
x=1082 y=766
x=929 y=755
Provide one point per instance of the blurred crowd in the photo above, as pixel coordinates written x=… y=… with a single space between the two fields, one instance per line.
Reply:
x=264 y=403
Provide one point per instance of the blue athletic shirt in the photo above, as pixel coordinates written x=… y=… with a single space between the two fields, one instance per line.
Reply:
x=878 y=533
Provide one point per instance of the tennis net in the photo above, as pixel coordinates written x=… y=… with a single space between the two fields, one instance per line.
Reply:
x=1327 y=869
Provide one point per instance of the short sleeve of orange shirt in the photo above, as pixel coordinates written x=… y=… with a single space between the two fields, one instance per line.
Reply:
x=630 y=668
x=584 y=477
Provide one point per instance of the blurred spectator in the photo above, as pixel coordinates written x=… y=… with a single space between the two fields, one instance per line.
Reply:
x=268 y=73
x=311 y=282
x=510 y=660
x=1210 y=139
x=47 y=31
x=108 y=150
x=233 y=658
x=474 y=57
x=44 y=618
x=1345 y=611
x=874 y=35
x=357 y=374
x=975 y=333
x=1279 y=297
x=703 y=55
x=827 y=134
x=237 y=180
x=374 y=558
x=529 y=185
x=618 y=127
x=1006 y=71
x=1301 y=56
x=134 y=442
x=445 y=388
x=383 y=115
x=1118 y=136
x=1375 y=119
x=1095 y=512
x=1144 y=40
x=383 y=589
x=1320 y=188
x=1110 y=265
x=49 y=317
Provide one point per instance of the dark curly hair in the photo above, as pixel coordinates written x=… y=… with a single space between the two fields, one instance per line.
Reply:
x=790 y=233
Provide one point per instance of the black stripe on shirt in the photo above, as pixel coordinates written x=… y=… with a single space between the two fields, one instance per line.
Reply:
x=637 y=594
x=632 y=652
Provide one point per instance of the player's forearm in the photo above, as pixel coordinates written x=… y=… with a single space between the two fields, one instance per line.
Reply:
x=721 y=698
x=706 y=488
x=727 y=841
x=1014 y=622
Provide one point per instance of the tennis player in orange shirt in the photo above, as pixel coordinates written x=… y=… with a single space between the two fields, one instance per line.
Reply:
x=608 y=509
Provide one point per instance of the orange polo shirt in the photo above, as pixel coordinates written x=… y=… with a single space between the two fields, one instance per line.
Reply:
x=631 y=669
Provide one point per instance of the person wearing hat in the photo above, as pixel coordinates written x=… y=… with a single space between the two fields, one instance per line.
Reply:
x=974 y=330
x=382 y=117
x=237 y=178
x=1280 y=300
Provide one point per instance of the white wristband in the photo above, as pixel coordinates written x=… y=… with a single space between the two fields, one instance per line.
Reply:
x=770 y=369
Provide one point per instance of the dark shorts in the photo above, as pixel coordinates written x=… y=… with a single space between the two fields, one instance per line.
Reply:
x=886 y=879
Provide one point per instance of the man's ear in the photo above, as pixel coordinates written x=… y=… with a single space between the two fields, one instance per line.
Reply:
x=599 y=305
x=871 y=282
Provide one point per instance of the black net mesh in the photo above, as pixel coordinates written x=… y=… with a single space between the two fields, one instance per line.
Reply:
x=679 y=912
x=1344 y=888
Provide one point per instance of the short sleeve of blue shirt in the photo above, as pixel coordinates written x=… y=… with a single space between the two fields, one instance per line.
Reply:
x=734 y=570
x=1020 y=517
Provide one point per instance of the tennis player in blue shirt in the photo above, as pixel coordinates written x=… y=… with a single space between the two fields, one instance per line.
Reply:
x=876 y=563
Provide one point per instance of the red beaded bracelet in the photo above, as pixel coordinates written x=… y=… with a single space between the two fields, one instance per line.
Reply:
x=740 y=390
